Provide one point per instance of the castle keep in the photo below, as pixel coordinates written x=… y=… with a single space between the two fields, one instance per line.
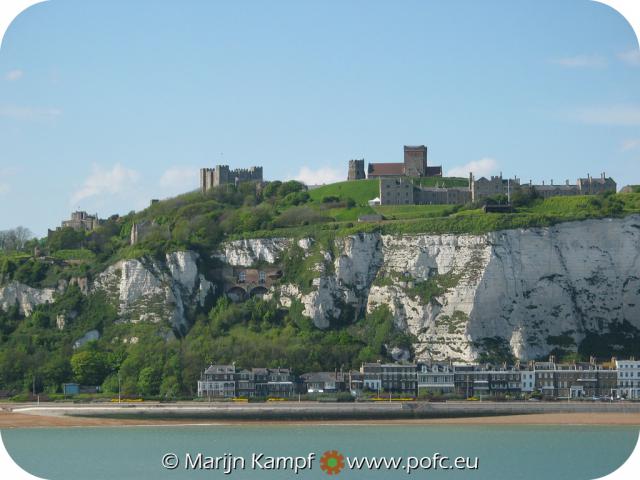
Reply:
x=223 y=175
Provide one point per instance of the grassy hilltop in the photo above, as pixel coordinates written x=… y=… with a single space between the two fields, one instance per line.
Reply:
x=253 y=333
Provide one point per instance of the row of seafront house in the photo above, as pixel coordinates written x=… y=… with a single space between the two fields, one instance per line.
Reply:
x=615 y=379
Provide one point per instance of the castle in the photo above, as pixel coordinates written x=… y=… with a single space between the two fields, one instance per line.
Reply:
x=483 y=187
x=402 y=191
x=414 y=165
x=222 y=175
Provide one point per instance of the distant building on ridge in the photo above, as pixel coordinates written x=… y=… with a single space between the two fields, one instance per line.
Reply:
x=223 y=175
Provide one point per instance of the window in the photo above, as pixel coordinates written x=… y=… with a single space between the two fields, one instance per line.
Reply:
x=242 y=277
x=262 y=277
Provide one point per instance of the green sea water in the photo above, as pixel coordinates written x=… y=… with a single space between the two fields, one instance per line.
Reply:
x=503 y=452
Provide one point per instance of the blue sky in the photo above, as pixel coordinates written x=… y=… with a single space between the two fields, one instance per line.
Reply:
x=107 y=104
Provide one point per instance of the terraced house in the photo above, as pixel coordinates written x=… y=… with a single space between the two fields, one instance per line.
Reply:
x=223 y=381
x=628 y=378
x=614 y=379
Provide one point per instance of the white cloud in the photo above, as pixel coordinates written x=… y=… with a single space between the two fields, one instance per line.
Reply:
x=480 y=168
x=180 y=178
x=581 y=61
x=29 y=113
x=631 y=144
x=319 y=176
x=615 y=115
x=632 y=57
x=14 y=75
x=106 y=182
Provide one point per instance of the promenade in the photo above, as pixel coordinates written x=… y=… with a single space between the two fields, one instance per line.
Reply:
x=300 y=411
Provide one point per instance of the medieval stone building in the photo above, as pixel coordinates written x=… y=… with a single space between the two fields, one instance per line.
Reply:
x=396 y=191
x=403 y=191
x=496 y=185
x=356 y=170
x=82 y=221
x=414 y=165
x=222 y=175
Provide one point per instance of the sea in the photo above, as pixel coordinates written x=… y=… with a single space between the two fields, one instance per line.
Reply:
x=284 y=451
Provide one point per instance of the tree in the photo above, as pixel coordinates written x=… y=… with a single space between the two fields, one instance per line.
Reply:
x=149 y=381
x=66 y=238
x=14 y=239
x=89 y=367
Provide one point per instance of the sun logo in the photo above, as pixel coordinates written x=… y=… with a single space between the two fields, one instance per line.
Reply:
x=332 y=462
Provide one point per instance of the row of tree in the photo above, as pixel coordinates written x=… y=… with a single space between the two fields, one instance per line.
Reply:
x=15 y=239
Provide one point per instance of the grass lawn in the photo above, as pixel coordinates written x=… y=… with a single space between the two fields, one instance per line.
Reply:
x=401 y=212
x=359 y=190
x=77 y=254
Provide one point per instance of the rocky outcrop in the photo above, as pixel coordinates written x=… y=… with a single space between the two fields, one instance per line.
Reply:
x=90 y=336
x=245 y=253
x=527 y=287
x=25 y=296
x=147 y=290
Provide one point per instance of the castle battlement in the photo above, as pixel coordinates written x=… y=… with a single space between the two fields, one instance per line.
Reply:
x=223 y=175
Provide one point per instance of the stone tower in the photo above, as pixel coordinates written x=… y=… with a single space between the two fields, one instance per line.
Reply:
x=356 y=170
x=415 y=161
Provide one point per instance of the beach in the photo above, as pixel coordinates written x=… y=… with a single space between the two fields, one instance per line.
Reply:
x=46 y=418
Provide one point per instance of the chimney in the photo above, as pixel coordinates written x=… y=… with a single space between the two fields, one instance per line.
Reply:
x=592 y=360
x=567 y=182
x=613 y=360
x=552 y=359
x=552 y=181
x=542 y=182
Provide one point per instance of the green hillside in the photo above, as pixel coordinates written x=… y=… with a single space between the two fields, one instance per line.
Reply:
x=361 y=191
x=166 y=364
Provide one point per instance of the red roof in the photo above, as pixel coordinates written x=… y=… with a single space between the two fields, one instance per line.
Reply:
x=386 y=169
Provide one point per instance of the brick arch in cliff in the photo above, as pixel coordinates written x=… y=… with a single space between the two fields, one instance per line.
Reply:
x=237 y=294
x=258 y=291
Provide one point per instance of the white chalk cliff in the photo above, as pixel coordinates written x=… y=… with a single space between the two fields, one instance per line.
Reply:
x=26 y=297
x=155 y=291
x=525 y=286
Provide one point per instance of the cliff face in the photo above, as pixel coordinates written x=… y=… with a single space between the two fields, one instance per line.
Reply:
x=153 y=291
x=142 y=289
x=530 y=289
x=534 y=288
x=25 y=296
